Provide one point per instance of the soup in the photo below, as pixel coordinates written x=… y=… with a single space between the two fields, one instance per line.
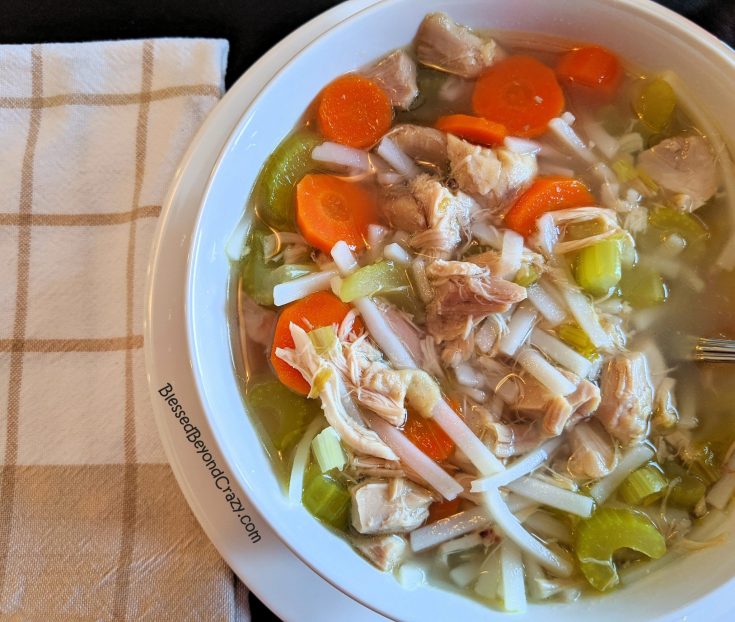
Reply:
x=463 y=304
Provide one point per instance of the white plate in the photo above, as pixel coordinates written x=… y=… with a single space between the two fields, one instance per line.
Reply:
x=267 y=566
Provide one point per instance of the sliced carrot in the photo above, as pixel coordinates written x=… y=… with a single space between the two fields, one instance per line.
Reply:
x=519 y=92
x=428 y=437
x=475 y=129
x=354 y=111
x=546 y=194
x=443 y=509
x=594 y=68
x=314 y=311
x=330 y=209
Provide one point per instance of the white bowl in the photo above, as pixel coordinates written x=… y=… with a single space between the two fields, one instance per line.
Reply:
x=640 y=31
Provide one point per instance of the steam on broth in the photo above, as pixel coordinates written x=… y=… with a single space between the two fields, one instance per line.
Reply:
x=462 y=305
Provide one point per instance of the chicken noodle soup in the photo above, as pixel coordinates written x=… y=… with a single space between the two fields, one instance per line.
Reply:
x=461 y=303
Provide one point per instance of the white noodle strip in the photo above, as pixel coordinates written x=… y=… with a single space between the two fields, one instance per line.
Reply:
x=511 y=254
x=607 y=144
x=283 y=293
x=468 y=376
x=488 y=235
x=488 y=583
x=512 y=578
x=395 y=252
x=465 y=439
x=519 y=328
x=449 y=528
x=341 y=155
x=512 y=529
x=722 y=490
x=632 y=459
x=530 y=462
x=464 y=543
x=553 y=496
x=389 y=178
x=560 y=352
x=521 y=145
x=416 y=460
x=376 y=237
x=535 y=575
x=540 y=298
x=464 y=574
x=549 y=168
x=548 y=375
x=423 y=287
x=568 y=117
x=301 y=460
x=394 y=156
x=546 y=526
x=517 y=504
x=586 y=317
x=564 y=132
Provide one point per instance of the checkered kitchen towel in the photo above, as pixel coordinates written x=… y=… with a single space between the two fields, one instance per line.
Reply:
x=92 y=523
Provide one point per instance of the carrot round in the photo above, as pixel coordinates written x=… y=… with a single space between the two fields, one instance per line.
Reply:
x=330 y=209
x=428 y=437
x=546 y=194
x=519 y=92
x=475 y=129
x=443 y=509
x=594 y=68
x=314 y=311
x=354 y=111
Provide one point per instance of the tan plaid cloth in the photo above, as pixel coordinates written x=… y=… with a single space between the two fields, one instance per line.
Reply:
x=92 y=523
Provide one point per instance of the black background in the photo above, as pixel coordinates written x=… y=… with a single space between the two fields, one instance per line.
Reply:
x=251 y=26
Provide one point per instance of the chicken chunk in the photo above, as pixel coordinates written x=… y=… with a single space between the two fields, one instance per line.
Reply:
x=626 y=397
x=465 y=293
x=395 y=506
x=396 y=74
x=593 y=452
x=443 y=44
x=424 y=144
x=683 y=164
x=402 y=210
x=384 y=552
x=497 y=175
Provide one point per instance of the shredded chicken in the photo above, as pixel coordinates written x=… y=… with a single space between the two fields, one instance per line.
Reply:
x=497 y=175
x=361 y=467
x=396 y=74
x=665 y=413
x=395 y=506
x=385 y=552
x=512 y=439
x=683 y=164
x=465 y=293
x=627 y=397
x=426 y=145
x=593 y=452
x=443 y=44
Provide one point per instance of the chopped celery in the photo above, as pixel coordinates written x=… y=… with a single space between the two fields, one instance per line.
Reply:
x=597 y=267
x=655 y=104
x=644 y=485
x=328 y=450
x=624 y=170
x=686 y=489
x=324 y=339
x=672 y=220
x=383 y=276
x=282 y=413
x=702 y=460
x=643 y=287
x=647 y=180
x=575 y=337
x=326 y=498
x=607 y=531
x=279 y=176
x=527 y=275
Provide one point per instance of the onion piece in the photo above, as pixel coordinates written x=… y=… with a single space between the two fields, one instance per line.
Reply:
x=559 y=351
x=545 y=372
x=530 y=462
x=416 y=460
x=445 y=529
x=607 y=144
x=464 y=574
x=341 y=155
x=635 y=457
x=553 y=496
x=547 y=526
x=393 y=155
x=547 y=306
x=488 y=583
x=301 y=459
x=519 y=328
x=283 y=293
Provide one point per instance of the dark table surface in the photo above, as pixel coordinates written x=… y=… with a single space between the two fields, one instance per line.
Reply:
x=251 y=26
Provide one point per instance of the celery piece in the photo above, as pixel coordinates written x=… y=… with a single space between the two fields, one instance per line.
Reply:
x=655 y=104
x=702 y=460
x=324 y=339
x=597 y=267
x=671 y=220
x=577 y=339
x=686 y=489
x=278 y=178
x=328 y=450
x=607 y=531
x=326 y=498
x=283 y=414
x=644 y=485
x=527 y=275
x=624 y=170
x=643 y=287
x=380 y=277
